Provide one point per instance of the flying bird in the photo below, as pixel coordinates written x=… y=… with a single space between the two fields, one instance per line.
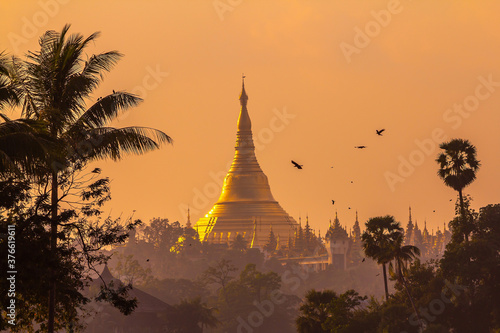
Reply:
x=349 y=207
x=377 y=274
x=363 y=260
x=379 y=132
x=360 y=147
x=297 y=165
x=352 y=182
x=147 y=260
x=333 y=202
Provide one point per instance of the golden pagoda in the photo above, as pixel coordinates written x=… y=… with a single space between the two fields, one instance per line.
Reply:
x=246 y=205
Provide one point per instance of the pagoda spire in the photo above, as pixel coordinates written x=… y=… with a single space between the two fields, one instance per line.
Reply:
x=243 y=95
x=244 y=123
x=246 y=194
x=188 y=223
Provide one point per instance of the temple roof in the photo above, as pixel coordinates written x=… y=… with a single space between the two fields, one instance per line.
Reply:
x=336 y=231
x=145 y=301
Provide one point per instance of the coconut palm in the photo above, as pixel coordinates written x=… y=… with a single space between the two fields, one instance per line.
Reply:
x=402 y=255
x=377 y=239
x=58 y=81
x=8 y=87
x=21 y=142
x=458 y=166
x=22 y=147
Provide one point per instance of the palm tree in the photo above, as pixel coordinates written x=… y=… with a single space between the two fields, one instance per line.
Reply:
x=402 y=255
x=57 y=84
x=380 y=233
x=8 y=86
x=458 y=166
x=21 y=142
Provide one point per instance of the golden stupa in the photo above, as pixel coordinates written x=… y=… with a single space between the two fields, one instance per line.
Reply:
x=246 y=205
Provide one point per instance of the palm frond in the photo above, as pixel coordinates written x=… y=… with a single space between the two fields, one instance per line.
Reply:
x=107 y=108
x=114 y=143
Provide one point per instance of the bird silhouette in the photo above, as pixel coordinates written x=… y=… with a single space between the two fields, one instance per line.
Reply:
x=297 y=165
x=114 y=92
x=379 y=132
x=333 y=202
x=360 y=147
x=348 y=207
x=352 y=182
x=363 y=260
x=147 y=259
x=433 y=211
x=377 y=274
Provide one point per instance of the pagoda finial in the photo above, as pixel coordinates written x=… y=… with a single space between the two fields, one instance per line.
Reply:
x=188 y=223
x=243 y=96
x=410 y=213
x=356 y=215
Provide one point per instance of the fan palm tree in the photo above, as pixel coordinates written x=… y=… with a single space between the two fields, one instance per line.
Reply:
x=377 y=239
x=57 y=85
x=458 y=166
x=402 y=255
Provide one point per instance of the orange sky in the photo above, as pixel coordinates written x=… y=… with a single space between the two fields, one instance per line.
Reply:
x=305 y=59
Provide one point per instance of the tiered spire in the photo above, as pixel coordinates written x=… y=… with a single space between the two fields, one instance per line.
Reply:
x=188 y=223
x=245 y=192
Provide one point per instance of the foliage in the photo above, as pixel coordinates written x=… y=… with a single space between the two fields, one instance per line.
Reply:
x=380 y=233
x=130 y=271
x=82 y=236
x=458 y=166
x=325 y=311
x=191 y=317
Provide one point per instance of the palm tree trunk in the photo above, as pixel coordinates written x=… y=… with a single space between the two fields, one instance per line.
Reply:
x=53 y=248
x=462 y=212
x=385 y=282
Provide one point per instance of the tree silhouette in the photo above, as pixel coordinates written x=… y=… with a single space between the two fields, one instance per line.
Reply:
x=402 y=255
x=458 y=166
x=191 y=317
x=325 y=311
x=21 y=145
x=57 y=84
x=380 y=233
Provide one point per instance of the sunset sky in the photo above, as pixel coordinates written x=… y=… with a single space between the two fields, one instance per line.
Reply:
x=321 y=77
